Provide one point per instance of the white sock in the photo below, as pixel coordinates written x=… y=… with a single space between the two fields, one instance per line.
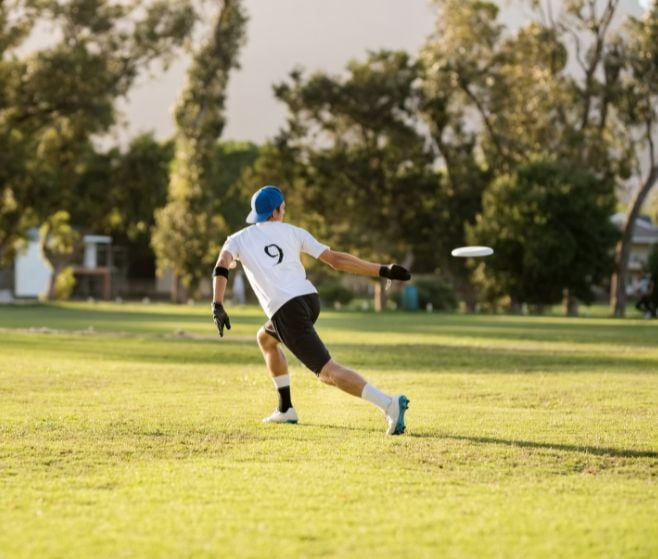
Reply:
x=376 y=396
x=281 y=381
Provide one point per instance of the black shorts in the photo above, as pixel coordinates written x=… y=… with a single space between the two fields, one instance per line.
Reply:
x=293 y=324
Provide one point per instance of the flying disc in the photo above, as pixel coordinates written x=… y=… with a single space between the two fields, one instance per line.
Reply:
x=466 y=252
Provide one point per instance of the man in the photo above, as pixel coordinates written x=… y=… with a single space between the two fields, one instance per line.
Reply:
x=270 y=254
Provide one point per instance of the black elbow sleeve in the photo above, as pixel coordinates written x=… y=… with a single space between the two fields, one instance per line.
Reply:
x=220 y=271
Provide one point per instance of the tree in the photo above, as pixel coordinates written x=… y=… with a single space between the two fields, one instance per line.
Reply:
x=119 y=193
x=555 y=88
x=635 y=56
x=457 y=60
x=56 y=100
x=550 y=221
x=356 y=168
x=16 y=191
x=186 y=232
x=359 y=172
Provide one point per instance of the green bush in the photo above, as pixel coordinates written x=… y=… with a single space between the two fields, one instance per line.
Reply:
x=437 y=292
x=332 y=292
x=64 y=284
x=431 y=291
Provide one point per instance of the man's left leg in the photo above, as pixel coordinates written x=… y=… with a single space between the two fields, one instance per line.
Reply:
x=394 y=407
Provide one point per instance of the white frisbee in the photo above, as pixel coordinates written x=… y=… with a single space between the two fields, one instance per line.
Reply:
x=467 y=252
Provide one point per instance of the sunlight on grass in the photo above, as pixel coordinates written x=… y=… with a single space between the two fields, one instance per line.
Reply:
x=133 y=431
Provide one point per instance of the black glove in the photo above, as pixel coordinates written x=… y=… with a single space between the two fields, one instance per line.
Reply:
x=221 y=318
x=393 y=271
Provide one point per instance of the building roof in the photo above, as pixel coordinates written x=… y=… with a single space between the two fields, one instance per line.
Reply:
x=643 y=232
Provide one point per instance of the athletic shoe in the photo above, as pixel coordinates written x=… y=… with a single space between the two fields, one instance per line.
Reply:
x=289 y=416
x=395 y=414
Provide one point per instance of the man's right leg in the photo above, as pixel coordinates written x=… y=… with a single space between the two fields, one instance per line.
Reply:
x=277 y=366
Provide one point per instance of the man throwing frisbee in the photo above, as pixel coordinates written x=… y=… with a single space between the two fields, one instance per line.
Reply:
x=269 y=251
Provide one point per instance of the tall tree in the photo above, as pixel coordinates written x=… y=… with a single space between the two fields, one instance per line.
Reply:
x=457 y=61
x=187 y=233
x=633 y=58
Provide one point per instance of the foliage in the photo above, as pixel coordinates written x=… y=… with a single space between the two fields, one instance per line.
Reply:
x=124 y=188
x=634 y=55
x=187 y=234
x=432 y=291
x=55 y=100
x=64 y=284
x=496 y=100
x=332 y=292
x=549 y=223
x=230 y=161
x=360 y=174
x=436 y=292
x=138 y=185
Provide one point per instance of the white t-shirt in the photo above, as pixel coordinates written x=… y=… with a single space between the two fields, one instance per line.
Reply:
x=270 y=255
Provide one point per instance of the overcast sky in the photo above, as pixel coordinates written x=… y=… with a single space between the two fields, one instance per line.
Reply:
x=283 y=34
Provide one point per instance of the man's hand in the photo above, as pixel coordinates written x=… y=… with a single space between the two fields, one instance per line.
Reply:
x=221 y=318
x=394 y=272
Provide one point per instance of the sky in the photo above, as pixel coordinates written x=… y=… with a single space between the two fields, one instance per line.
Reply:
x=284 y=34
x=281 y=35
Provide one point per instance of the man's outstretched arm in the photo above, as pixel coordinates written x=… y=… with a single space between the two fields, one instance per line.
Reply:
x=345 y=262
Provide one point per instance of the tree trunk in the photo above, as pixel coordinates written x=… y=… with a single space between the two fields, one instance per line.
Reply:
x=570 y=304
x=623 y=248
x=469 y=295
x=380 y=297
x=178 y=291
x=50 y=295
x=515 y=306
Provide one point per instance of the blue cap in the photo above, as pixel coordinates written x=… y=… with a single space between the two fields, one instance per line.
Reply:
x=264 y=202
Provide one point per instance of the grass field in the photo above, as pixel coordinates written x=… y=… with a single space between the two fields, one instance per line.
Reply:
x=133 y=431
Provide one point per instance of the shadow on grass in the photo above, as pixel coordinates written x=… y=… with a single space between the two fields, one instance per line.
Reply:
x=416 y=358
x=501 y=327
x=441 y=358
x=595 y=450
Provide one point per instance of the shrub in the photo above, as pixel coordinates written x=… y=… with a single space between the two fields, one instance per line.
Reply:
x=437 y=292
x=332 y=292
x=431 y=291
x=64 y=284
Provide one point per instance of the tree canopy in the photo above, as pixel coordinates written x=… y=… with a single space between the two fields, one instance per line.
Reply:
x=56 y=100
x=550 y=224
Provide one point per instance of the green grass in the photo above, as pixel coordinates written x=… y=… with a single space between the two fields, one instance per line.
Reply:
x=133 y=431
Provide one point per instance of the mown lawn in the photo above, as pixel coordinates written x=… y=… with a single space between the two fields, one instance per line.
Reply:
x=133 y=431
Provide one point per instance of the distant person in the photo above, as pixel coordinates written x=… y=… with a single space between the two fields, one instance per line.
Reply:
x=270 y=254
x=239 y=293
x=645 y=303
